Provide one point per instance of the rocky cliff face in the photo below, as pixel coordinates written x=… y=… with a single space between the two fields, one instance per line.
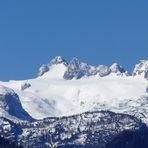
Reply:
x=141 y=69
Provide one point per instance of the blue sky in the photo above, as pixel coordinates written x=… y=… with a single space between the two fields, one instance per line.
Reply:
x=96 y=31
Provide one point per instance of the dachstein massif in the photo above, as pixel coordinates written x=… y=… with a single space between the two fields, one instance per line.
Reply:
x=76 y=105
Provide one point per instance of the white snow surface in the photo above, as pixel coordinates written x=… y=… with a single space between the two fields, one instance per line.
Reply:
x=51 y=95
x=4 y=90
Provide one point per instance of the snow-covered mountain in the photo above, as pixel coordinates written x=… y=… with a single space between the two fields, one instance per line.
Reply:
x=63 y=89
x=69 y=89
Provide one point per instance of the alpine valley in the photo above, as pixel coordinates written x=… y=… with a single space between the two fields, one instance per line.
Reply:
x=76 y=105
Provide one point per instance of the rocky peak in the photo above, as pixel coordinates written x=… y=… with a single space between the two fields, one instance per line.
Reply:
x=58 y=60
x=103 y=70
x=73 y=70
x=76 y=69
x=141 y=69
x=43 y=69
x=116 y=68
x=74 y=64
x=55 y=61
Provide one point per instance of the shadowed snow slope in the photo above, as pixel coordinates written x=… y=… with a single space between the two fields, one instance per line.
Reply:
x=10 y=105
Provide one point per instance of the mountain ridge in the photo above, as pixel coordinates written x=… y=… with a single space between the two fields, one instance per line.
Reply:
x=76 y=69
x=89 y=129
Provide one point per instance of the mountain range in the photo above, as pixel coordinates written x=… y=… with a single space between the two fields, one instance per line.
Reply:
x=74 y=104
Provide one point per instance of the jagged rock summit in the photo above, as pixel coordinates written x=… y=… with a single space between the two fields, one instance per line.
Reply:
x=76 y=69
x=58 y=60
x=141 y=69
x=55 y=61
x=118 y=69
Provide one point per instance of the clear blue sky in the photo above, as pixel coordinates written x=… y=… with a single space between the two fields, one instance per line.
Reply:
x=96 y=31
